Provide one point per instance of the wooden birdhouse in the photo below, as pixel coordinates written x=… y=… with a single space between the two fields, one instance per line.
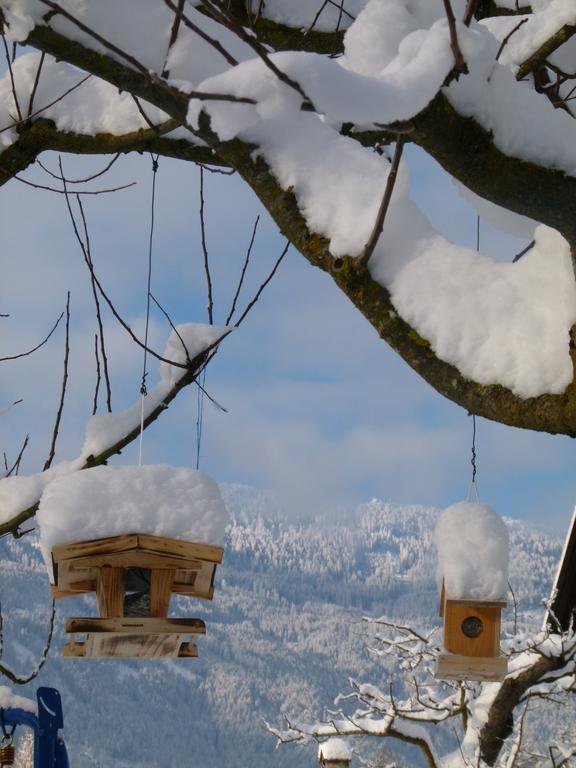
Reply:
x=335 y=753
x=134 y=577
x=471 y=640
x=175 y=513
x=472 y=544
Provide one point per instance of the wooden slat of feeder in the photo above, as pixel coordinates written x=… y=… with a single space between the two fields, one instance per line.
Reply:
x=136 y=559
x=452 y=666
x=122 y=646
x=126 y=542
x=188 y=651
x=75 y=588
x=136 y=626
x=110 y=592
x=160 y=590
x=66 y=574
x=93 y=547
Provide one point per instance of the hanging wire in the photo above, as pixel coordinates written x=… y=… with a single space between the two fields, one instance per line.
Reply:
x=143 y=389
x=200 y=417
x=473 y=488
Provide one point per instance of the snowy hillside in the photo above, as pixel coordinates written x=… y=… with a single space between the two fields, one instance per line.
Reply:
x=283 y=634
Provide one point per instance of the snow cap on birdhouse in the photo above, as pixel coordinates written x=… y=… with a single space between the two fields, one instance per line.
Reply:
x=472 y=543
x=158 y=500
x=335 y=753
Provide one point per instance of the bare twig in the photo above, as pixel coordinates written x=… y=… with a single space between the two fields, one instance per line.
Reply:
x=505 y=41
x=30 y=351
x=176 y=331
x=460 y=66
x=264 y=284
x=15 y=124
x=243 y=273
x=22 y=680
x=79 y=192
x=56 y=430
x=12 y=81
x=219 y=12
x=181 y=16
x=35 y=86
x=98 y=375
x=379 y=224
x=16 y=466
x=173 y=37
x=86 y=179
x=205 y=251
x=469 y=12
x=524 y=251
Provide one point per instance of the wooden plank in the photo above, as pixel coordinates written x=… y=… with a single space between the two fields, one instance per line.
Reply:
x=138 y=646
x=186 y=549
x=188 y=651
x=73 y=649
x=65 y=574
x=190 y=590
x=161 y=580
x=136 y=559
x=452 y=666
x=477 y=603
x=80 y=588
x=204 y=581
x=76 y=549
x=135 y=626
x=110 y=592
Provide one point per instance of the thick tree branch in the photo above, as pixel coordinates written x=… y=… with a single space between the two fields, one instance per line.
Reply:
x=540 y=56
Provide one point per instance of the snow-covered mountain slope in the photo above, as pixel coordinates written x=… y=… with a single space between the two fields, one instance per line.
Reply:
x=284 y=634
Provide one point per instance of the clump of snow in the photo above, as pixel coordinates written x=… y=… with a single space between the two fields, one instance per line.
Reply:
x=335 y=749
x=185 y=343
x=159 y=500
x=472 y=544
x=10 y=700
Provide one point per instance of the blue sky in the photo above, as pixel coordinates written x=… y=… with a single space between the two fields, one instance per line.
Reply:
x=318 y=407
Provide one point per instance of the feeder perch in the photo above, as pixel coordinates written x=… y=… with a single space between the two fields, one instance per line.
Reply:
x=335 y=753
x=471 y=640
x=134 y=577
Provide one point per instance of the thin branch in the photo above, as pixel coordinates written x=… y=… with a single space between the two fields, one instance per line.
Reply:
x=217 y=10
x=169 y=319
x=264 y=284
x=35 y=86
x=79 y=192
x=98 y=376
x=56 y=430
x=12 y=81
x=460 y=66
x=205 y=251
x=243 y=273
x=9 y=407
x=505 y=41
x=88 y=255
x=15 y=124
x=173 y=38
x=181 y=16
x=524 y=251
x=469 y=12
x=30 y=351
x=363 y=260
x=86 y=179
x=16 y=466
x=22 y=680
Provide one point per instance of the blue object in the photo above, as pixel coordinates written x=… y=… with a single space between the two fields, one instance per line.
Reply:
x=49 y=748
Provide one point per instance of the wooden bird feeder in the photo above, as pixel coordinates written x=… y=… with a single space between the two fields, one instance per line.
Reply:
x=471 y=640
x=115 y=569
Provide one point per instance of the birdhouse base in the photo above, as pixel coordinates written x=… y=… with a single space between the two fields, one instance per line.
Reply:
x=453 y=666
x=125 y=638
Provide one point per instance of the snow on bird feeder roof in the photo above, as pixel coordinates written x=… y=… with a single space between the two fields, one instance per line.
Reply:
x=159 y=500
x=472 y=543
x=335 y=750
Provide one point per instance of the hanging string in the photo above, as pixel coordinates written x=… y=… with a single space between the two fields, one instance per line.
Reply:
x=473 y=488
x=143 y=389
x=200 y=417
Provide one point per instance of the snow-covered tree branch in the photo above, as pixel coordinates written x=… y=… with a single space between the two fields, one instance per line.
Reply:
x=267 y=115
x=486 y=717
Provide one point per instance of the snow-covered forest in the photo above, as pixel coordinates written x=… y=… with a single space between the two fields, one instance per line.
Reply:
x=312 y=106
